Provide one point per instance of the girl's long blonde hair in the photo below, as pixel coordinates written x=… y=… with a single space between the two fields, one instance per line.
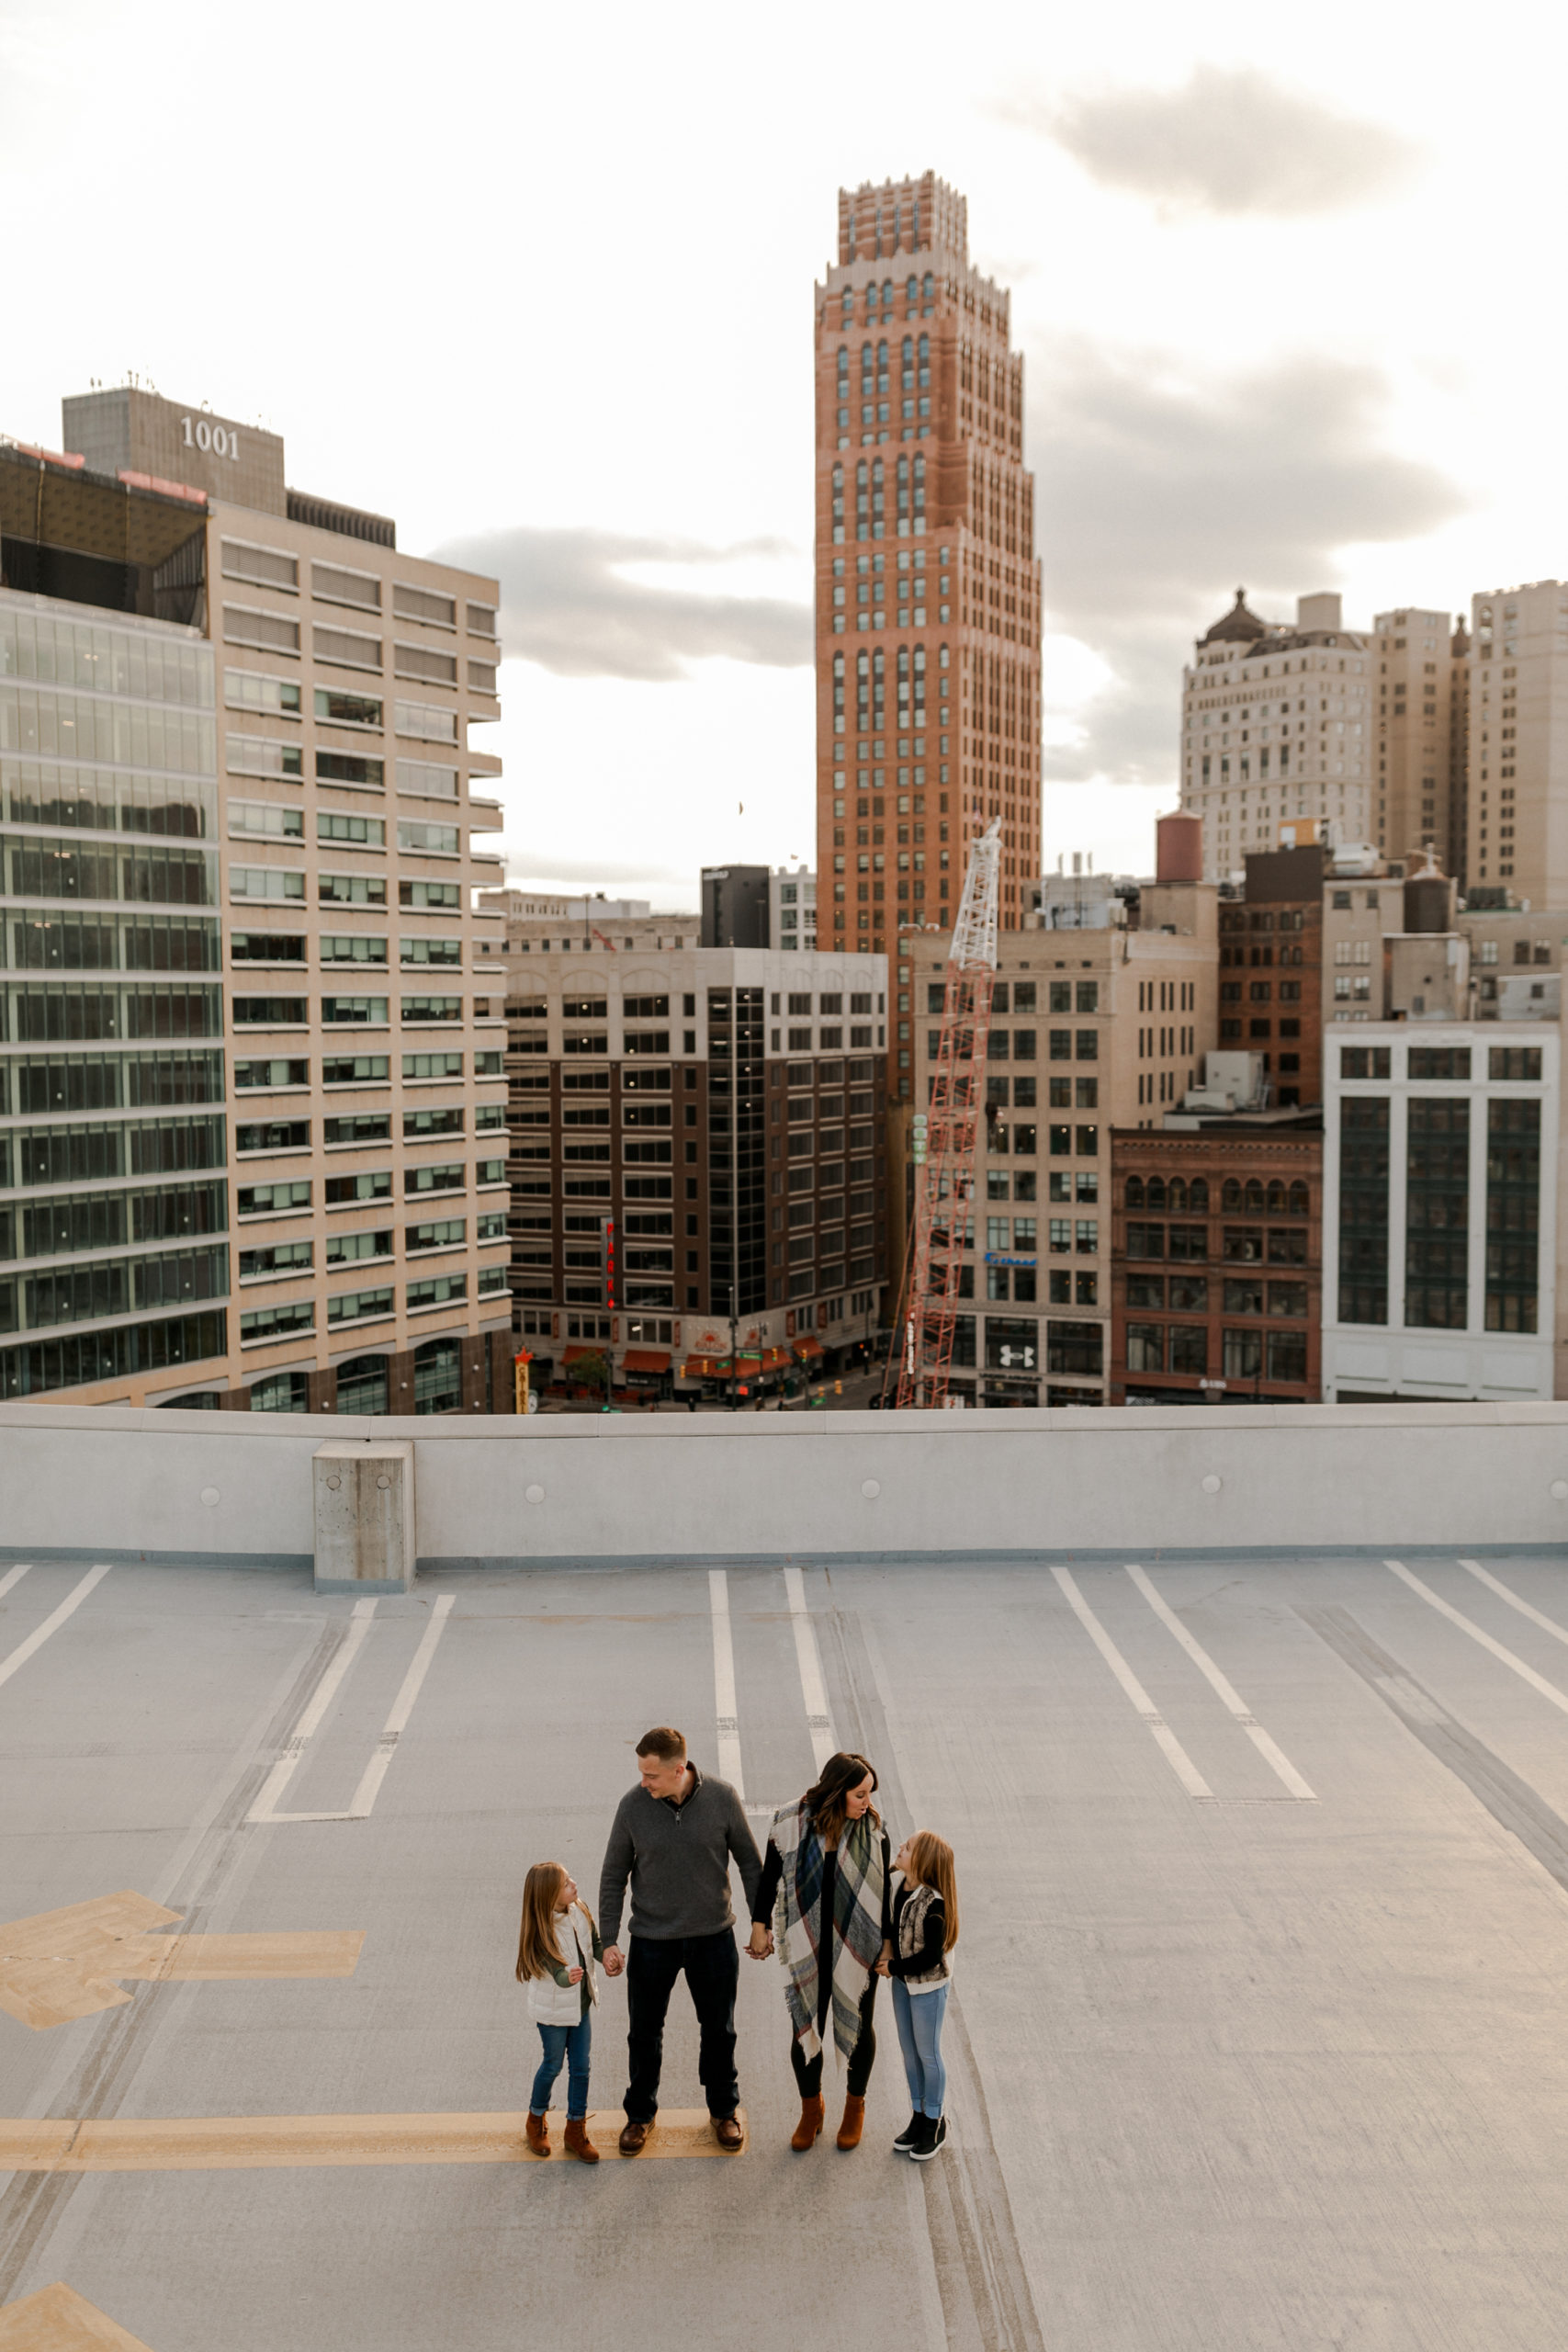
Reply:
x=930 y=1864
x=537 y=1950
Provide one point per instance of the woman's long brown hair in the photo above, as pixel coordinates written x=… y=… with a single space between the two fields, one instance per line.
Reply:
x=825 y=1801
x=930 y=1864
x=537 y=1952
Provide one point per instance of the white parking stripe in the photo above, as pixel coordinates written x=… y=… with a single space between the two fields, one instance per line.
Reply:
x=727 y=1719
x=1526 y=1673
x=1547 y=1624
x=818 y=1722
x=1170 y=1747
x=309 y=1722
x=13 y=1576
x=402 y=1708
x=1229 y=1698
x=51 y=1624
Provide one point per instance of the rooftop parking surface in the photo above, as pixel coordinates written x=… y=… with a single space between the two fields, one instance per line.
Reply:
x=1257 y=2034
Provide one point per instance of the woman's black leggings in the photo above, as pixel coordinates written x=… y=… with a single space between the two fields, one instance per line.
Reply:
x=862 y=2057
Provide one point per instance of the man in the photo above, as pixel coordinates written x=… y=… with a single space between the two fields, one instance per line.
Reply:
x=674 y=1836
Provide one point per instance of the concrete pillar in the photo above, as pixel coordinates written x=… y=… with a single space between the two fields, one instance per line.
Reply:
x=366 y=1536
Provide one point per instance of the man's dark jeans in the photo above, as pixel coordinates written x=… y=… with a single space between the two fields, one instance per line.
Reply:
x=712 y=1968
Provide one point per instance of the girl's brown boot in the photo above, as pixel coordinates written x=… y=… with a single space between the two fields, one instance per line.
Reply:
x=536 y=2135
x=854 y=2123
x=808 y=2129
x=578 y=2144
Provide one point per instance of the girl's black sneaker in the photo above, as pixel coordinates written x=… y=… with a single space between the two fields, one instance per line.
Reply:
x=932 y=2134
x=909 y=2134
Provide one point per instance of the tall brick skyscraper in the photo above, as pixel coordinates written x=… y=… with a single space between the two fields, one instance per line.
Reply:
x=927 y=590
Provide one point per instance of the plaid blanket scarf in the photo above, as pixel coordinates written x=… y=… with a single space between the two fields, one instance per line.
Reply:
x=859 y=1883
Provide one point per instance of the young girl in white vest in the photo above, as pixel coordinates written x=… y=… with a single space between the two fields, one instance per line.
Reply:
x=919 y=1962
x=557 y=1948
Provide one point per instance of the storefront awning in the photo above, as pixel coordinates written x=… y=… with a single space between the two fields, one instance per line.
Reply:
x=648 y=1359
x=807 y=1347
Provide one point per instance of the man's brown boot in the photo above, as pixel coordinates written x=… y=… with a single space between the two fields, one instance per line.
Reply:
x=579 y=2144
x=633 y=2138
x=854 y=2123
x=807 y=2130
x=536 y=2135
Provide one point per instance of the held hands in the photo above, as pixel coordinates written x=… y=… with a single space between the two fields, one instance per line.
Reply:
x=883 y=1957
x=760 y=1945
x=614 y=1959
x=574 y=1975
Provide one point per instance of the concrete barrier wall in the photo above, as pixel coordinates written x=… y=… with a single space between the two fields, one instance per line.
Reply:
x=112 y=1482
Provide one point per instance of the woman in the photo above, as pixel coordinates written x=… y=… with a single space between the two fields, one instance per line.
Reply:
x=827 y=1870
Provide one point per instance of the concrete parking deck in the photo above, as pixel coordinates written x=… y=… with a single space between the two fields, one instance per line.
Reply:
x=1257 y=2037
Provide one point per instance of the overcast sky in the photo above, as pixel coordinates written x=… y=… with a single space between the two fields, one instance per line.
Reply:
x=539 y=283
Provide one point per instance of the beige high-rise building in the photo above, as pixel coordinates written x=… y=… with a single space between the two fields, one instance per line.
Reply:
x=1517 y=829
x=1421 y=702
x=362 y=1012
x=1095 y=1024
x=1276 y=726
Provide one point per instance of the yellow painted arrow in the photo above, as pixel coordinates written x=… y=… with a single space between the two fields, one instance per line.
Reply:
x=62 y=1964
x=58 y=2320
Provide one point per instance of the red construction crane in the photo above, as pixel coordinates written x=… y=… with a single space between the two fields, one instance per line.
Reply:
x=945 y=1134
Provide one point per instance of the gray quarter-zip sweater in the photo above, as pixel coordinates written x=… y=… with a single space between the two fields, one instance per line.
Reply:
x=677 y=1858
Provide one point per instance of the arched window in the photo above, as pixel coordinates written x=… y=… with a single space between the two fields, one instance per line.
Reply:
x=879 y=499
x=887 y=298
x=920 y=486
x=919 y=680
x=1135 y=1193
x=281 y=1391
x=362 y=1385
x=844 y=365
x=1178 y=1193
x=438 y=1376
x=925 y=358
x=907 y=356
x=846 y=309
x=1276 y=1198
x=1301 y=1200
x=1230 y=1193
x=1198 y=1197
x=878 y=686
x=881 y=367
x=910 y=292
x=866 y=368
x=1254 y=1193
x=870 y=304
x=1156 y=1191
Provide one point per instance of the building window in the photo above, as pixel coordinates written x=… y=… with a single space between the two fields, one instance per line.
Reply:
x=1437 y=1236
x=1513 y=1207
x=438 y=1377
x=1363 y=1209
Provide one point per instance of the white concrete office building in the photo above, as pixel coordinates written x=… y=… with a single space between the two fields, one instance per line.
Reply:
x=1440 y=1210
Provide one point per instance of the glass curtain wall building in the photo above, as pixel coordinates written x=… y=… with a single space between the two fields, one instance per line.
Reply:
x=114 y=1260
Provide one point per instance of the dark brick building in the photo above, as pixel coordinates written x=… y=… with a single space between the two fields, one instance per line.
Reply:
x=1217 y=1261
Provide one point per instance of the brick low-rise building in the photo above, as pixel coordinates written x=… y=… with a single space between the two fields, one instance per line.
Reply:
x=1217 y=1260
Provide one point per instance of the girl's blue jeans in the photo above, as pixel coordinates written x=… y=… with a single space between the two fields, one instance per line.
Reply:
x=566 y=2045
x=919 y=2016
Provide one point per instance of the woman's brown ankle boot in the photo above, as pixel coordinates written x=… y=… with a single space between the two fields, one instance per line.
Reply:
x=854 y=2123
x=536 y=2135
x=579 y=2144
x=808 y=2129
